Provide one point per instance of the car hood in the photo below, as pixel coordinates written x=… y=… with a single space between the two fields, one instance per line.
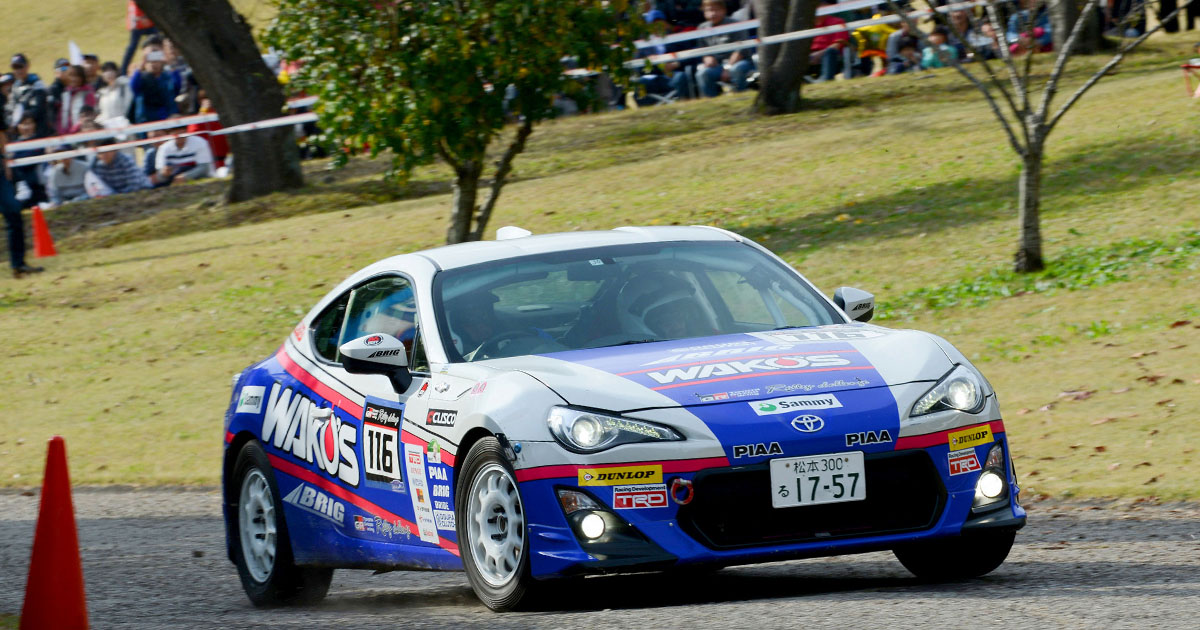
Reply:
x=799 y=364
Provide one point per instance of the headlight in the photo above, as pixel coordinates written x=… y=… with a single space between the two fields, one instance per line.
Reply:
x=961 y=389
x=590 y=432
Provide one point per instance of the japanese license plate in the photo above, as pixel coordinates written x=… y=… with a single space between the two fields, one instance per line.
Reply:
x=818 y=479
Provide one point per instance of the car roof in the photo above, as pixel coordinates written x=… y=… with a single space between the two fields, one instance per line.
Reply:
x=463 y=254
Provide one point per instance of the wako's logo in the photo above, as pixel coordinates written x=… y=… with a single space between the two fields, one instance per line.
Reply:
x=291 y=424
x=731 y=368
x=808 y=424
x=373 y=340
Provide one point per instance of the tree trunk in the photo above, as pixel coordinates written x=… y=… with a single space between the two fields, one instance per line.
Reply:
x=466 y=189
x=1063 y=14
x=1029 y=256
x=781 y=67
x=503 y=168
x=217 y=43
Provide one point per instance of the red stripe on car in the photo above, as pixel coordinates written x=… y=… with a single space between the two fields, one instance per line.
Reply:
x=284 y=466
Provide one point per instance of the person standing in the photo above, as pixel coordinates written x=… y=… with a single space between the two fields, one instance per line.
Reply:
x=76 y=95
x=29 y=96
x=91 y=67
x=114 y=97
x=13 y=223
x=154 y=90
x=139 y=26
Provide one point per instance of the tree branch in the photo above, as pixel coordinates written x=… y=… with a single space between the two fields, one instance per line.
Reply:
x=444 y=151
x=912 y=26
x=1064 y=55
x=503 y=168
x=1002 y=35
x=987 y=67
x=1109 y=66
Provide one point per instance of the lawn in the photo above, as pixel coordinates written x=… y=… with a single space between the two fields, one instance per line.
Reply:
x=901 y=186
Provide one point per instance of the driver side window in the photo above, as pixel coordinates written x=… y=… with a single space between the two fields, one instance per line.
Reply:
x=386 y=305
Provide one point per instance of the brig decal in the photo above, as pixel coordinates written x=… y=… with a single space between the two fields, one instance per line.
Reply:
x=314 y=501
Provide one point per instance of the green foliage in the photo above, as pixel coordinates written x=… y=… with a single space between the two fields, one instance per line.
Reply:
x=428 y=78
x=1077 y=268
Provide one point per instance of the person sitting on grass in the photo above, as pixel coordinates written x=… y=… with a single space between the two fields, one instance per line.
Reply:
x=64 y=181
x=114 y=172
x=183 y=158
x=831 y=53
x=933 y=54
x=734 y=67
x=906 y=58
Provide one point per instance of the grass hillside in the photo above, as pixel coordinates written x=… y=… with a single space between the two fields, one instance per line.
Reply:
x=901 y=186
x=41 y=30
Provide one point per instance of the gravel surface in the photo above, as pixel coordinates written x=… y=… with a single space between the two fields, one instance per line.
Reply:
x=156 y=559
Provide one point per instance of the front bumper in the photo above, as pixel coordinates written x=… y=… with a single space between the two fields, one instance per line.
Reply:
x=912 y=497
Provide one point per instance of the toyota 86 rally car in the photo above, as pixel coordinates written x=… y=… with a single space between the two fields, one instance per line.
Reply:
x=570 y=404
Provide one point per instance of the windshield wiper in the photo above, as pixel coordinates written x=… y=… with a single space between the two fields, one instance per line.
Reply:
x=629 y=343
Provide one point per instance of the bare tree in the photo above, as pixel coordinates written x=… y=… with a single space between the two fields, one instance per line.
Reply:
x=1027 y=120
x=781 y=67
x=217 y=42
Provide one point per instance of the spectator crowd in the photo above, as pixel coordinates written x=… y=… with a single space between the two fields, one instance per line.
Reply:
x=872 y=50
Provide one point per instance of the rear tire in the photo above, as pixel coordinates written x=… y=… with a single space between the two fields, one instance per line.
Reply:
x=493 y=532
x=951 y=559
x=262 y=550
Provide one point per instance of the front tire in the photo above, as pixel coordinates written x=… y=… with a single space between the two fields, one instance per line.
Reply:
x=952 y=559
x=262 y=550
x=492 y=530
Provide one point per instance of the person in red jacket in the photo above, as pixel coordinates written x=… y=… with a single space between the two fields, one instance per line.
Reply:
x=830 y=51
x=139 y=26
x=219 y=144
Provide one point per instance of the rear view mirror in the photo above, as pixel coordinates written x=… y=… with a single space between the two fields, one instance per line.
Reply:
x=378 y=353
x=858 y=304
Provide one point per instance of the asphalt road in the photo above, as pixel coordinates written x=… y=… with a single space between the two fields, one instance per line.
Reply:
x=155 y=559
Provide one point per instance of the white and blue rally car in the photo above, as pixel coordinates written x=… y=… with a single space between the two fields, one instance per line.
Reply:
x=594 y=402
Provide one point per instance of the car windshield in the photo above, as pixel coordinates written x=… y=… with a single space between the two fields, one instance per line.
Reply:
x=616 y=295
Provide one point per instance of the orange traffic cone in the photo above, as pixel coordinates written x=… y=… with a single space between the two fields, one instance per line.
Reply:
x=43 y=245
x=54 y=593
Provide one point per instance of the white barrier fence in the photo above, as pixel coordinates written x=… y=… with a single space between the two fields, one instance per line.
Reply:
x=796 y=35
x=746 y=25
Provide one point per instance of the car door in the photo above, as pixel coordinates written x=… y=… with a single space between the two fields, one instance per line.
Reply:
x=383 y=304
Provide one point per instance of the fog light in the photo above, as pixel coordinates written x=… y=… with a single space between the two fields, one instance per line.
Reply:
x=592 y=526
x=991 y=485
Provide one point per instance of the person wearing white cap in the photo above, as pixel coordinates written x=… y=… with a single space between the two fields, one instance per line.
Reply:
x=154 y=89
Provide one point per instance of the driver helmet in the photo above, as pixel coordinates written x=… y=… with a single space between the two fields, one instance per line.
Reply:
x=658 y=305
x=395 y=315
x=466 y=314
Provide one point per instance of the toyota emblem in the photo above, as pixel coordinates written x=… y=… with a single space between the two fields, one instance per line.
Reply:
x=808 y=424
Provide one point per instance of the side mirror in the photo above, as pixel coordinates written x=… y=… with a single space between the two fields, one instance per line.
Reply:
x=858 y=304
x=378 y=353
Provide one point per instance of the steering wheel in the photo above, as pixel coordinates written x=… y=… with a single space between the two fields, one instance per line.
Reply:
x=492 y=344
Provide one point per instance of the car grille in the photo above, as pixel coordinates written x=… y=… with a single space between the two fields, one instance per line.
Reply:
x=732 y=506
